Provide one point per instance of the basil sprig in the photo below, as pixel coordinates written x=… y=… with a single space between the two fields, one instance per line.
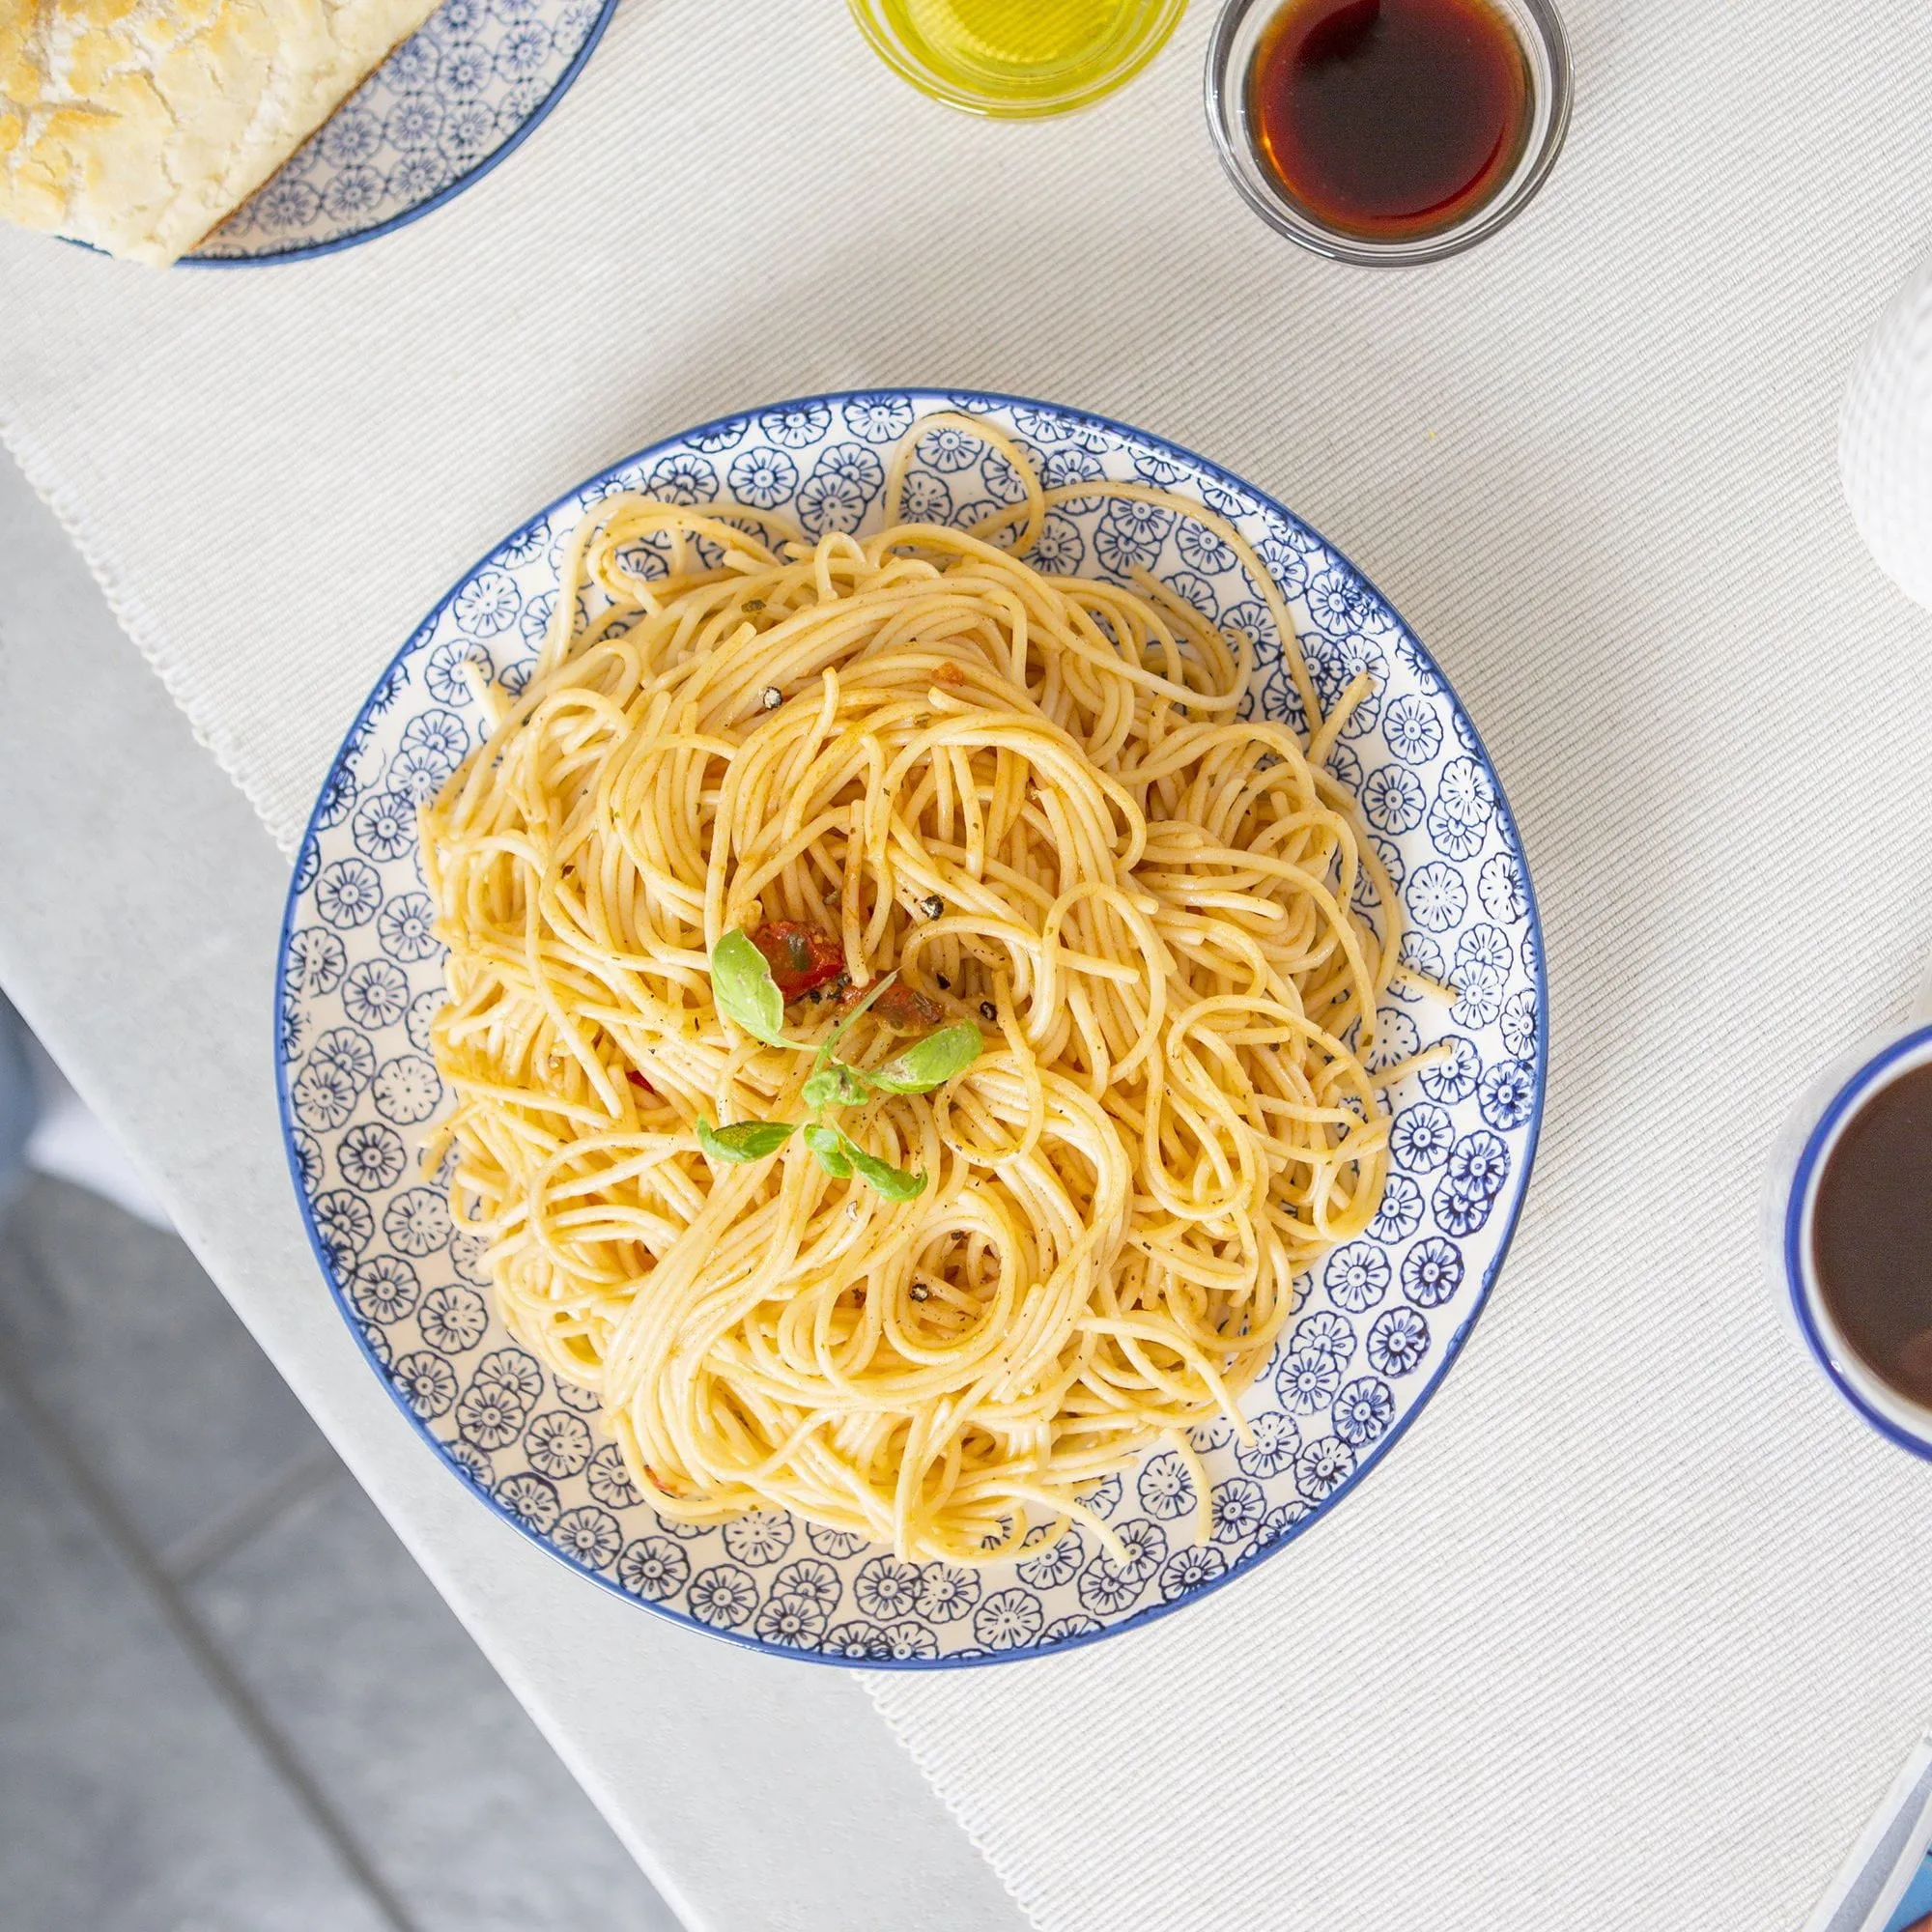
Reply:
x=748 y=995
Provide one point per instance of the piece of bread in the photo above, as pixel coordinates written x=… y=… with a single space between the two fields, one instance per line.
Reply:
x=139 y=124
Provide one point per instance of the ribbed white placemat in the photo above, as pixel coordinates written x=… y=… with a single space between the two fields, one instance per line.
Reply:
x=1632 y=1630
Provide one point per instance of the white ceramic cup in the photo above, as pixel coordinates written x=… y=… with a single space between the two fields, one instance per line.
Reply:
x=1803 y=1150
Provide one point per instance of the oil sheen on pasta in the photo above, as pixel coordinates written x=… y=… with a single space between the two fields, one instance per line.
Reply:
x=1032 y=797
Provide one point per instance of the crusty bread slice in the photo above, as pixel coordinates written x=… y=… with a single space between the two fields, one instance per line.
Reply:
x=139 y=124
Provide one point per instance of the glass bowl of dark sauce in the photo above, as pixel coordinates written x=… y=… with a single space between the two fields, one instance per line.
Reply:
x=1388 y=133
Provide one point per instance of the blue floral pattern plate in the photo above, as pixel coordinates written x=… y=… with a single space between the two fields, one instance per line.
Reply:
x=441 y=112
x=1376 y=1325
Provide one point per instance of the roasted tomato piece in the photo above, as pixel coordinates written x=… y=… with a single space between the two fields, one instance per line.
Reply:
x=802 y=958
x=902 y=1007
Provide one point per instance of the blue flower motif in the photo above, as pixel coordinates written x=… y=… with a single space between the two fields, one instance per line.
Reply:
x=1507 y=1095
x=1479 y=994
x=352 y=193
x=514 y=1371
x=1432 y=1271
x=407 y=1090
x=292 y=1027
x=441 y=736
x=887 y=1589
x=1159 y=466
x=1500 y=888
x=350 y=134
x=323 y=1095
x=383 y=1289
x=1278 y=1521
x=1329 y=1461
x=1165 y=1488
x=1276 y=1439
x=1401 y=1212
x=810 y=1579
x=762 y=1537
x=877 y=416
x=1194 y=590
x=1009 y=1619
x=926 y=500
x=609 y=1481
x=837 y=1543
x=1307 y=1380
x=1393 y=799
x=286 y=203
x=1285 y=564
x=1396 y=1040
x=486 y=606
x=427 y=1383
x=417 y=775
x=1466 y=792
x=1451 y=837
x=1063 y=1629
x=1397 y=1341
x=1461 y=1207
x=1256 y=623
x=720 y=435
x=589 y=1536
x=1204 y=1437
x=407 y=930
x=653 y=1567
x=1452 y=1080
x=348 y=892
x=763 y=477
x=348 y=1051
x=1356 y=1276
x=829 y=501
x=723 y=1597
x=1362 y=1411
x=376 y=994
x=465 y=72
x=799 y=425
x=371 y=1158
x=1238 y=1508
x=1485 y=946
x=1188 y=1570
x=308 y=1159
x=862 y=1644
x=1411 y=729
x=1130 y=536
x=1053 y=1566
x=797 y=1621
x=573 y=1394
x=489 y=1415
x=308 y=861
x=1059 y=550
x=1204 y=548
x=1436 y=896
x=908 y=1639
x=946 y=1592
x=1333 y=601
x=338 y=797
x=416 y=1221
x=1393 y=864
x=416 y=119
x=523 y=50
x=1106 y=1589
x=682 y=479
x=1519 y=1024
x=948 y=449
x=1065 y=468
x=1105 y=1497
x=412 y=64
x=445 y=674
x=453 y=1319
x=1481 y=1159
x=558 y=1444
x=1328 y=1331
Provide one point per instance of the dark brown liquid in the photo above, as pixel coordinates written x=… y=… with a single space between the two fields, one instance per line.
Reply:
x=1389 y=118
x=1871 y=1233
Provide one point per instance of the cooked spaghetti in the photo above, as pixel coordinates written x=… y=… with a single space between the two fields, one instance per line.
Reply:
x=1034 y=801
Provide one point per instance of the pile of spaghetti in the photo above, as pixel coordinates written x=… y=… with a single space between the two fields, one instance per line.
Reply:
x=1033 y=800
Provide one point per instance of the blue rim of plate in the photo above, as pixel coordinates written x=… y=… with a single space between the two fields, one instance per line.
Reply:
x=1865 y=1081
x=1141 y=1619
x=310 y=251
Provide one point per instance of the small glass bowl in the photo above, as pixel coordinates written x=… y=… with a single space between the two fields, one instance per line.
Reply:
x=1017 y=89
x=1231 y=54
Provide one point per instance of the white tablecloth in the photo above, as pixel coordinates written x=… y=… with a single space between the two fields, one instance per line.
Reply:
x=1634 y=1628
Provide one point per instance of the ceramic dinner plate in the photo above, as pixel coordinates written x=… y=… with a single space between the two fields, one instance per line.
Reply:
x=1376 y=1325
x=440 y=113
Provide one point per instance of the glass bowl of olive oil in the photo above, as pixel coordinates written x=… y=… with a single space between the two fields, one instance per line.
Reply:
x=1017 y=57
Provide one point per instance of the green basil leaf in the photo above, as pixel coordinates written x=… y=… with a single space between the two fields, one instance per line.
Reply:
x=893 y=1182
x=743 y=987
x=930 y=1062
x=836 y=1086
x=743 y=1140
x=824 y=1143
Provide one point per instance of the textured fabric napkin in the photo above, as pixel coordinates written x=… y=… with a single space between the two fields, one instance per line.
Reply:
x=1632 y=1630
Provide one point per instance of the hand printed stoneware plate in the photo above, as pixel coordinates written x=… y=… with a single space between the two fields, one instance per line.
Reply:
x=1378 y=1322
x=440 y=113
